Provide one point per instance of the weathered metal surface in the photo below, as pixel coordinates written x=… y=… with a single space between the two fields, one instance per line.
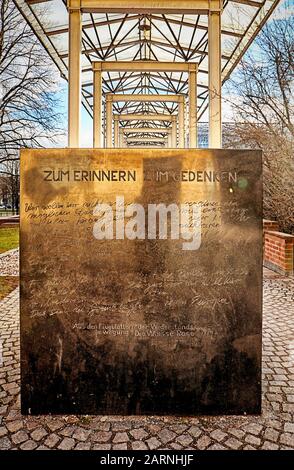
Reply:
x=121 y=326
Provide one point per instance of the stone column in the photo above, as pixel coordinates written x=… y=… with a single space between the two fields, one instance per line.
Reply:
x=193 y=105
x=97 y=107
x=109 y=143
x=214 y=79
x=116 y=131
x=121 y=138
x=174 y=132
x=182 y=122
x=74 y=77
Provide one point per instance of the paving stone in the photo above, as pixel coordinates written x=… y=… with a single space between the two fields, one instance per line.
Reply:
x=153 y=443
x=32 y=424
x=122 y=446
x=194 y=431
x=267 y=445
x=233 y=443
x=179 y=428
x=203 y=442
x=166 y=435
x=175 y=446
x=81 y=434
x=139 y=445
x=83 y=446
x=155 y=428
x=101 y=446
x=121 y=426
x=52 y=440
x=184 y=439
x=271 y=435
x=5 y=443
x=289 y=427
x=139 y=434
x=121 y=437
x=253 y=440
x=274 y=423
x=68 y=431
x=19 y=437
x=253 y=428
x=38 y=434
x=101 y=436
x=29 y=445
x=54 y=424
x=3 y=431
x=14 y=426
x=218 y=435
x=67 y=444
x=287 y=439
x=275 y=397
x=237 y=433
x=276 y=407
x=8 y=386
x=288 y=407
x=96 y=425
x=13 y=415
x=216 y=447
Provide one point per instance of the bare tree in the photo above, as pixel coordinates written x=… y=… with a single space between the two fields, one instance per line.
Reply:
x=261 y=95
x=29 y=104
x=10 y=183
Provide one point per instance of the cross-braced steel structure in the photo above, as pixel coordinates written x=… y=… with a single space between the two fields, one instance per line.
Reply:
x=213 y=34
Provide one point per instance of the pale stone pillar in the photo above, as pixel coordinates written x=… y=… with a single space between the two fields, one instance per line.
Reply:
x=214 y=79
x=182 y=122
x=97 y=107
x=192 y=105
x=121 y=138
x=116 y=131
x=174 y=132
x=109 y=121
x=74 y=77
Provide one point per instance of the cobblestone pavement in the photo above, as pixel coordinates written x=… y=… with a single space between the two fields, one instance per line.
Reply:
x=273 y=430
x=9 y=263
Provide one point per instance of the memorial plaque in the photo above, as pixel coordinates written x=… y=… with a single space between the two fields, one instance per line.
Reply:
x=141 y=281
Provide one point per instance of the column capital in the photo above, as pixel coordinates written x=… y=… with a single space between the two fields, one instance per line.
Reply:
x=73 y=5
x=74 y=76
x=193 y=67
x=97 y=66
x=116 y=117
x=215 y=6
x=214 y=80
x=109 y=97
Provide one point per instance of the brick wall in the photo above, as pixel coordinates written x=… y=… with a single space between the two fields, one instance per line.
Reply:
x=271 y=225
x=9 y=220
x=278 y=251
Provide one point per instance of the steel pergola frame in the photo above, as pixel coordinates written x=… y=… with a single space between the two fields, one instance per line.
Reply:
x=135 y=35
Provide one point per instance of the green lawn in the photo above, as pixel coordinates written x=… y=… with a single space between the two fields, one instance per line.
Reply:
x=4 y=213
x=9 y=238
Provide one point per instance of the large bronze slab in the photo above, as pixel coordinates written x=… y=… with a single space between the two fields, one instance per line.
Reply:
x=140 y=326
